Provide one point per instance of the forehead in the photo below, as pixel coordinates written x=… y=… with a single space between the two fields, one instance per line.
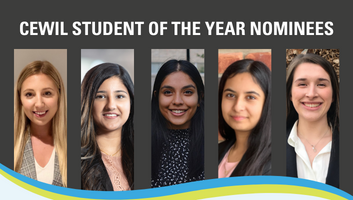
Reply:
x=38 y=81
x=310 y=71
x=242 y=82
x=177 y=79
x=112 y=83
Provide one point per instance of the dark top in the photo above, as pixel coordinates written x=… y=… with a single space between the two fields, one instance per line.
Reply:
x=332 y=177
x=174 y=160
x=94 y=175
x=223 y=148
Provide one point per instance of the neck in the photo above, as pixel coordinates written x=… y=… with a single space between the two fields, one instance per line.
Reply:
x=41 y=131
x=110 y=142
x=312 y=130
x=241 y=144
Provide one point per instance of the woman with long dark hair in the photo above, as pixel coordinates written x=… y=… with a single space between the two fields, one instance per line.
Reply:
x=312 y=120
x=177 y=124
x=244 y=120
x=107 y=134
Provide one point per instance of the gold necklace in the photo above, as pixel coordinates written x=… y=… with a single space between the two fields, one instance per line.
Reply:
x=109 y=154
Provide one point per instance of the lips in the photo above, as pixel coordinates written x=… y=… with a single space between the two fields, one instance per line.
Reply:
x=178 y=112
x=239 y=118
x=312 y=105
x=110 y=115
x=40 y=113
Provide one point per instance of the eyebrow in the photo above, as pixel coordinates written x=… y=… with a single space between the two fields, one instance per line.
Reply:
x=304 y=79
x=116 y=91
x=247 y=92
x=30 y=89
x=170 y=87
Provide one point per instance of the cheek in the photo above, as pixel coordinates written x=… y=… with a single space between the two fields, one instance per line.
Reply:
x=126 y=108
x=191 y=101
x=97 y=108
x=26 y=105
x=256 y=110
x=164 y=102
x=328 y=94
x=295 y=94
x=225 y=106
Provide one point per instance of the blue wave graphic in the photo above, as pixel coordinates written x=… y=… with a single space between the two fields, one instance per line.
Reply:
x=181 y=188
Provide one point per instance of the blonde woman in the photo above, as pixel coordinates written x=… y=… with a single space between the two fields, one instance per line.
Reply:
x=40 y=126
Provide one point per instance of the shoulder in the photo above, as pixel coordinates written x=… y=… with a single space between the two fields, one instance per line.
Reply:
x=94 y=175
x=225 y=145
x=223 y=148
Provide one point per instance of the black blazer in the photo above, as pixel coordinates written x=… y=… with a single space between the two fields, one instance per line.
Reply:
x=223 y=148
x=99 y=178
x=333 y=168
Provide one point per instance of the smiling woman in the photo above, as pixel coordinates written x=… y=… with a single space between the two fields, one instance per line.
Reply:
x=244 y=120
x=312 y=120
x=177 y=124
x=40 y=124
x=107 y=134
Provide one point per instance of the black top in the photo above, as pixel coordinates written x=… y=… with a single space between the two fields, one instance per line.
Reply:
x=174 y=160
x=94 y=175
x=223 y=148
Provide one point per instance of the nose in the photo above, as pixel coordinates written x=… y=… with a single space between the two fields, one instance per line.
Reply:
x=39 y=101
x=311 y=92
x=239 y=105
x=178 y=100
x=111 y=104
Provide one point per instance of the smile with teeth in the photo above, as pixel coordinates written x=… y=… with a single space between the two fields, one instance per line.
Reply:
x=40 y=112
x=110 y=115
x=312 y=105
x=178 y=111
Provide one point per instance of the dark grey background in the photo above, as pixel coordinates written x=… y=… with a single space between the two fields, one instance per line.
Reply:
x=12 y=15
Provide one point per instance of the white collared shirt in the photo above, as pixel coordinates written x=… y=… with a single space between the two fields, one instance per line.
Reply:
x=318 y=170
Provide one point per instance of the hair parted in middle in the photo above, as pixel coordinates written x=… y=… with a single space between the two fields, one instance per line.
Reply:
x=159 y=123
x=89 y=146
x=59 y=121
x=333 y=112
x=258 y=153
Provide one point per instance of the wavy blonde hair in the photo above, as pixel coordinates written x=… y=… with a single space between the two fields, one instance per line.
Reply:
x=59 y=122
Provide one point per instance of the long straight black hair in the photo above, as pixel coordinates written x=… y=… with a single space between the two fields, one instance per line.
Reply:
x=159 y=123
x=91 y=165
x=258 y=153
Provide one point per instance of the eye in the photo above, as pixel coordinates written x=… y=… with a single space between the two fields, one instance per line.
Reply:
x=188 y=92
x=167 y=92
x=321 y=85
x=120 y=96
x=100 y=96
x=229 y=95
x=250 y=97
x=29 y=95
x=301 y=84
x=47 y=93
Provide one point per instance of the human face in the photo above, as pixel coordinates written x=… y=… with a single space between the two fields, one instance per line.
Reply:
x=39 y=98
x=311 y=92
x=111 y=107
x=178 y=100
x=242 y=102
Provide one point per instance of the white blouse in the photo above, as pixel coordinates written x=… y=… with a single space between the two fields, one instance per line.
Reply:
x=318 y=170
x=46 y=174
